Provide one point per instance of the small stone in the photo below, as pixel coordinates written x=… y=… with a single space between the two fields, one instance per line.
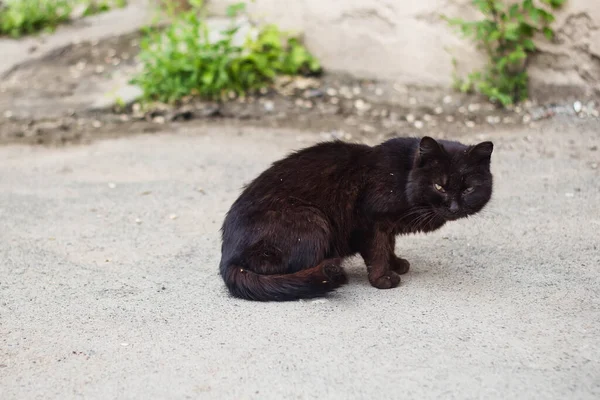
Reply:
x=127 y=94
x=526 y=118
x=474 y=107
x=159 y=119
x=577 y=107
x=379 y=91
x=418 y=124
x=492 y=119
x=594 y=165
x=399 y=88
x=124 y=344
x=112 y=185
x=138 y=221
x=367 y=128
x=305 y=83
x=470 y=124
x=263 y=90
x=8 y=114
x=412 y=101
x=462 y=109
x=80 y=65
x=299 y=102
x=356 y=90
x=427 y=118
x=449 y=118
x=334 y=100
x=311 y=93
x=410 y=118
x=96 y=123
x=447 y=99
x=569 y=194
x=308 y=104
x=173 y=217
x=346 y=92
x=331 y=92
x=507 y=120
x=438 y=110
x=269 y=106
x=361 y=105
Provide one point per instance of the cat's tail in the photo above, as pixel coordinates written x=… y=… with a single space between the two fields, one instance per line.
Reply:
x=307 y=283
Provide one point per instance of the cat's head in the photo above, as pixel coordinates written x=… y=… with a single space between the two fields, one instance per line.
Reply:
x=452 y=179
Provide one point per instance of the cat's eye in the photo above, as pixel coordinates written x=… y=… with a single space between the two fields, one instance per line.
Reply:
x=439 y=188
x=468 y=190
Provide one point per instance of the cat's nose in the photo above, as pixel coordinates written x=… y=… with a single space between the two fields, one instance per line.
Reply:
x=453 y=207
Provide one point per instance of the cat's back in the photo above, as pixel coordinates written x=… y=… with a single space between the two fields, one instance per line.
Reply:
x=316 y=174
x=315 y=166
x=334 y=153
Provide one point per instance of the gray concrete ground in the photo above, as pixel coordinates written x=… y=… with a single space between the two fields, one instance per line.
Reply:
x=109 y=285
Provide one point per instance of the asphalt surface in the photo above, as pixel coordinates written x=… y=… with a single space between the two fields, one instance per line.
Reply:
x=109 y=286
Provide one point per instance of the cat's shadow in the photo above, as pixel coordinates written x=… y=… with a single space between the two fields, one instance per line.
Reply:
x=357 y=271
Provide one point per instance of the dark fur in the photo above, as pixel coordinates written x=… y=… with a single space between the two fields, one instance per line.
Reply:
x=285 y=236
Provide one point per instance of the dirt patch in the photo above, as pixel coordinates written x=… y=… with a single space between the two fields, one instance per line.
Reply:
x=50 y=101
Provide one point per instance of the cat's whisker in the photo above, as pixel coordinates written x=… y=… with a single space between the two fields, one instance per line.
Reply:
x=430 y=216
x=418 y=222
x=414 y=211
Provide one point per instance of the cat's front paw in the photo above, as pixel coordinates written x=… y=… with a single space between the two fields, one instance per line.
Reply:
x=399 y=265
x=387 y=281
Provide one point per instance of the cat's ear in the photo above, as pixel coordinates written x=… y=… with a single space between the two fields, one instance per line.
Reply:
x=429 y=150
x=481 y=152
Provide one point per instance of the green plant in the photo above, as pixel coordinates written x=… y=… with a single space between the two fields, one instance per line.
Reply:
x=24 y=17
x=506 y=34
x=185 y=60
x=94 y=7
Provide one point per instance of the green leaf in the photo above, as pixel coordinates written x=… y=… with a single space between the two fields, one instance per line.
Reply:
x=516 y=55
x=548 y=32
x=546 y=16
x=529 y=44
x=502 y=63
x=511 y=31
x=513 y=11
x=535 y=15
x=526 y=30
x=482 y=5
x=554 y=3
x=234 y=9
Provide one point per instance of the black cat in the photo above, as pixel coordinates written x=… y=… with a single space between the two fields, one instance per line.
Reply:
x=285 y=236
